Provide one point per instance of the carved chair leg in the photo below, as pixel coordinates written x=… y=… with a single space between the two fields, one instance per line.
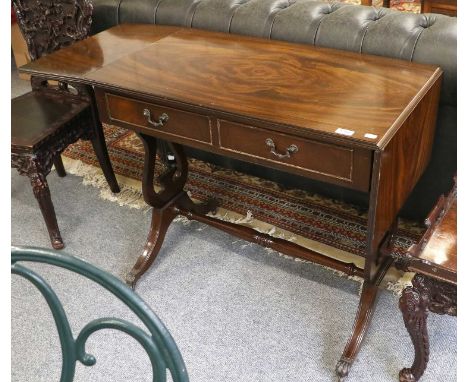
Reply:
x=42 y=194
x=59 y=166
x=361 y=322
x=414 y=305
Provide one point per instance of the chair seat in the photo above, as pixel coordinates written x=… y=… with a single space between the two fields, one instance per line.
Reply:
x=38 y=114
x=438 y=258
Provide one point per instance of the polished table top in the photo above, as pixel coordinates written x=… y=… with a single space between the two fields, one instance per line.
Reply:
x=323 y=92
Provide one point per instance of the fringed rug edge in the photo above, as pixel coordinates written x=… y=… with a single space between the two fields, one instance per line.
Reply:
x=131 y=196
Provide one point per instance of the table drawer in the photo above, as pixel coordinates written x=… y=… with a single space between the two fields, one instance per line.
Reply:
x=171 y=123
x=315 y=159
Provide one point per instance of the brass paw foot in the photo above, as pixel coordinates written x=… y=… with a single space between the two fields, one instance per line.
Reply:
x=131 y=279
x=342 y=369
x=56 y=240
x=406 y=375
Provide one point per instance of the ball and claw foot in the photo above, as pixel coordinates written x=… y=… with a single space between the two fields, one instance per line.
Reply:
x=406 y=375
x=342 y=369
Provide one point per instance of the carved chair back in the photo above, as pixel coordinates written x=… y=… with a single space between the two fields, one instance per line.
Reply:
x=48 y=25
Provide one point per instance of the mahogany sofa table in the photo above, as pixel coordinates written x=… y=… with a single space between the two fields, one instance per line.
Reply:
x=361 y=122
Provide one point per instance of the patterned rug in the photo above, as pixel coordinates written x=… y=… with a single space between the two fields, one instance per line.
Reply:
x=321 y=224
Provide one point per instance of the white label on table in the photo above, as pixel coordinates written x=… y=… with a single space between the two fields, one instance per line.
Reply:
x=344 y=132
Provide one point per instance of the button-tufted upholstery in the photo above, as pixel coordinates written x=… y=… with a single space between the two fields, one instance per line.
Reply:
x=426 y=38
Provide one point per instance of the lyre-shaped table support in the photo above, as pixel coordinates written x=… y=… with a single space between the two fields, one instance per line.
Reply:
x=169 y=202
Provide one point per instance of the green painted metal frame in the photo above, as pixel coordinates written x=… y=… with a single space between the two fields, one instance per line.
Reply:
x=158 y=343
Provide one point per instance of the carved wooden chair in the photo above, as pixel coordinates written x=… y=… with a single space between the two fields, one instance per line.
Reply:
x=434 y=287
x=49 y=118
x=156 y=340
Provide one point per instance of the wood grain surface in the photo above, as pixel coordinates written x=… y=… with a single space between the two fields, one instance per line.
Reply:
x=74 y=62
x=435 y=255
x=337 y=164
x=123 y=110
x=441 y=250
x=320 y=90
x=398 y=168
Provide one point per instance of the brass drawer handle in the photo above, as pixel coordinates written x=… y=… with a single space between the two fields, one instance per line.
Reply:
x=163 y=118
x=290 y=150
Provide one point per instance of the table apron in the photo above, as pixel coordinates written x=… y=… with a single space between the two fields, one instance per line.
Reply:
x=326 y=161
